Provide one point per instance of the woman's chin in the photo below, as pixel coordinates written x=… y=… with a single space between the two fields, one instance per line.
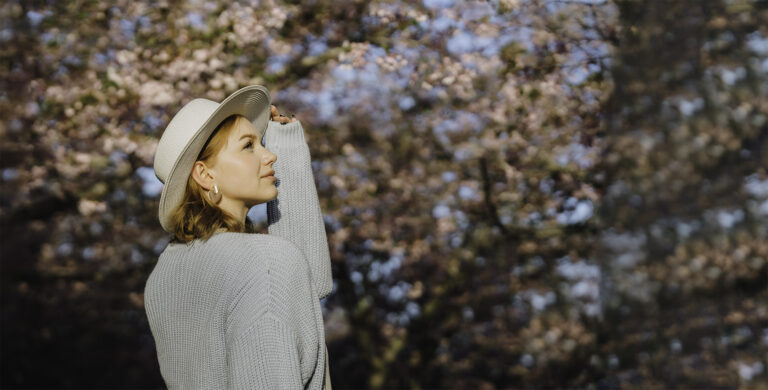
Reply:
x=265 y=199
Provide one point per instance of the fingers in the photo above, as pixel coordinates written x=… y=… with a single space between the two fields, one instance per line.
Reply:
x=277 y=117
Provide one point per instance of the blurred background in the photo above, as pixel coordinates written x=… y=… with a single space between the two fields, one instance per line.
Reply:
x=517 y=193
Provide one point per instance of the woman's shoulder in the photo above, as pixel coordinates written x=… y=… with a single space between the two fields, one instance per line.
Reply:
x=265 y=249
x=237 y=254
x=262 y=243
x=232 y=242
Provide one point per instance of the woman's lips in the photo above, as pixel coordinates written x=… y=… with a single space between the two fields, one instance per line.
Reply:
x=270 y=176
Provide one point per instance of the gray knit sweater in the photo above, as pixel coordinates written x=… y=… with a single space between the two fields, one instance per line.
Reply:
x=243 y=310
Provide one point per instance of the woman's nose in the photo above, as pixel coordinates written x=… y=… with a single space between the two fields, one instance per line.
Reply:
x=270 y=158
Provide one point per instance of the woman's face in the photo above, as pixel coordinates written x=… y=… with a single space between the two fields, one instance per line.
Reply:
x=243 y=168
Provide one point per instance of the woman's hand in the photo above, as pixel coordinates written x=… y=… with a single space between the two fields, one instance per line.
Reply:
x=275 y=115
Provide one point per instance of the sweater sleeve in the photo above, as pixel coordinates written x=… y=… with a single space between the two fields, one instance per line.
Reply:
x=265 y=356
x=295 y=214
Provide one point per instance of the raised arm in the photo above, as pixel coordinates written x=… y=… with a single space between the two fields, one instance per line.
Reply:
x=295 y=214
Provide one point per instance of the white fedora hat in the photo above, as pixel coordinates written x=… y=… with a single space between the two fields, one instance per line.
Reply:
x=183 y=140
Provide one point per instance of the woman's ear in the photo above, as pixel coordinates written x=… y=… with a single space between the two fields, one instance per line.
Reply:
x=202 y=175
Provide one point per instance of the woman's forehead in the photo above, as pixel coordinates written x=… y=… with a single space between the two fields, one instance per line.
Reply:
x=246 y=128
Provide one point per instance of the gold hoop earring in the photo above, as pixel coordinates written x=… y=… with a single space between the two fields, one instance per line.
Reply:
x=214 y=196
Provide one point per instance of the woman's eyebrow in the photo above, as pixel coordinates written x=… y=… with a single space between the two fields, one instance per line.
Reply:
x=247 y=136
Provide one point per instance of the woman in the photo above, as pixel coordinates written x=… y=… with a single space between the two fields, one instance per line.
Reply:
x=229 y=308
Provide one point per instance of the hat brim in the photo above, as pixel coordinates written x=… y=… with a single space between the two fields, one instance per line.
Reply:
x=252 y=102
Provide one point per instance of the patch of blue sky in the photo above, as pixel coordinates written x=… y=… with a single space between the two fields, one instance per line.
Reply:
x=576 y=211
x=576 y=270
x=555 y=6
x=258 y=213
x=395 y=294
x=60 y=71
x=413 y=309
x=463 y=154
x=371 y=20
x=447 y=126
x=763 y=209
x=456 y=240
x=10 y=174
x=35 y=18
x=533 y=219
x=727 y=219
x=546 y=185
x=521 y=34
x=576 y=153
x=343 y=74
x=127 y=27
x=100 y=59
x=437 y=4
x=370 y=74
x=117 y=156
x=151 y=186
x=467 y=313
x=406 y=103
x=685 y=229
x=477 y=10
x=439 y=24
x=276 y=63
x=688 y=106
x=467 y=42
x=577 y=75
x=373 y=53
x=136 y=256
x=152 y=122
x=448 y=176
x=441 y=211
x=65 y=249
x=730 y=76
x=196 y=21
x=623 y=242
x=88 y=253
x=538 y=301
x=444 y=140
x=374 y=272
x=329 y=219
x=317 y=46
x=400 y=319
x=72 y=60
x=322 y=101
x=578 y=66
x=461 y=219
x=144 y=21
x=118 y=195
x=467 y=193
x=46 y=37
x=755 y=186
x=356 y=277
x=527 y=360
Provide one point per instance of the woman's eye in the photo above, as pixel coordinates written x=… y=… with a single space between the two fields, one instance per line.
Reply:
x=248 y=145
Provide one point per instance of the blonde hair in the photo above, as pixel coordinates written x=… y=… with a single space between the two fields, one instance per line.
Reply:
x=197 y=217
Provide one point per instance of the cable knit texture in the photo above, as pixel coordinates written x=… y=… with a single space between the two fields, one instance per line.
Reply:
x=240 y=310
